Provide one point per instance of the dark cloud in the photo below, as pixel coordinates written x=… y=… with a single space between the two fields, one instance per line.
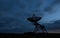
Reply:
x=57 y=1
x=51 y=5
x=21 y=4
x=11 y=25
x=6 y=5
x=48 y=9
x=5 y=21
x=53 y=26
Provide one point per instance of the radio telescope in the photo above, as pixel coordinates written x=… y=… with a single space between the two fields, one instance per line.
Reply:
x=34 y=20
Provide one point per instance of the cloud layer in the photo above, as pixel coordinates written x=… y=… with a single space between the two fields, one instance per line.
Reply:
x=13 y=14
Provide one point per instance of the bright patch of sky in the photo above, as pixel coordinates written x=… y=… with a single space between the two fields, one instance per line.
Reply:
x=48 y=18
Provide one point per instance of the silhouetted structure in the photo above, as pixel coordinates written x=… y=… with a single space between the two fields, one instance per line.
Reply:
x=34 y=19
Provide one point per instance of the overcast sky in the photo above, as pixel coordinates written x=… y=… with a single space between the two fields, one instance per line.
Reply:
x=14 y=14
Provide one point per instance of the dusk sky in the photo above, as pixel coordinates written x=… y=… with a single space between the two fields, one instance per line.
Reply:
x=14 y=14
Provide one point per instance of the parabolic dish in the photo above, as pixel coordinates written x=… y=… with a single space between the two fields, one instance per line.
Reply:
x=33 y=19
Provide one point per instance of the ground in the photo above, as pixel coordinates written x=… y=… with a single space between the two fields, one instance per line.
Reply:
x=29 y=35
